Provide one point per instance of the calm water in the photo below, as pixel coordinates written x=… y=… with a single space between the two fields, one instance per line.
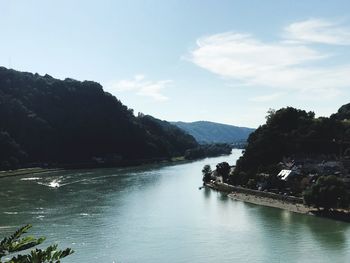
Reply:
x=157 y=214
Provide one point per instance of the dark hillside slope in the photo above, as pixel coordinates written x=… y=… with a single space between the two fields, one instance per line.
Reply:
x=174 y=139
x=46 y=120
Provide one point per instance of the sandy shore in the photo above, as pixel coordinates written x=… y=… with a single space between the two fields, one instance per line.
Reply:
x=337 y=214
x=265 y=201
x=289 y=203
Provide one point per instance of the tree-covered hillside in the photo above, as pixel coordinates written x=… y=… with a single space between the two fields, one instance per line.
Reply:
x=46 y=120
x=173 y=139
x=210 y=132
x=291 y=132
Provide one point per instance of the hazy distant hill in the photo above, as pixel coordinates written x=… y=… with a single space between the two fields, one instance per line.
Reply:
x=211 y=132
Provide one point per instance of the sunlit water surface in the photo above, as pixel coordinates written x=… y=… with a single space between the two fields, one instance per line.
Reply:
x=156 y=213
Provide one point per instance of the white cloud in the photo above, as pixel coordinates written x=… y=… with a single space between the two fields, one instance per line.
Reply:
x=318 y=31
x=141 y=86
x=289 y=66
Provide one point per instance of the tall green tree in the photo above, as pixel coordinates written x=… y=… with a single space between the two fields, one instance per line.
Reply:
x=206 y=171
x=223 y=169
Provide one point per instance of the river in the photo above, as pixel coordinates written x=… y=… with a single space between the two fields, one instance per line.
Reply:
x=156 y=213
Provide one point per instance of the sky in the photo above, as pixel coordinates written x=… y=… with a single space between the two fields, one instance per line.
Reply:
x=226 y=61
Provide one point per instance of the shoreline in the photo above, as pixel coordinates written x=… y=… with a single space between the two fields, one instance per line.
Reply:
x=262 y=198
x=27 y=171
x=277 y=201
x=79 y=166
x=93 y=165
x=270 y=202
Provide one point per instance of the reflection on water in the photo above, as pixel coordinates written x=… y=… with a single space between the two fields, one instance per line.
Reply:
x=207 y=192
x=156 y=213
x=334 y=237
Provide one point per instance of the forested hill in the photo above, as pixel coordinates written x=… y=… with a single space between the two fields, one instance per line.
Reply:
x=291 y=132
x=211 y=132
x=46 y=120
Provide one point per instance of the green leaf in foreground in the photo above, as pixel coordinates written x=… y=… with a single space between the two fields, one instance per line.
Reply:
x=15 y=243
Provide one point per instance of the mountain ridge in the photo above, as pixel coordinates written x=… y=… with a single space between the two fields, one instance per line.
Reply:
x=213 y=132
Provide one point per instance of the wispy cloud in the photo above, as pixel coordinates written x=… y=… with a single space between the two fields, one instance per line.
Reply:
x=141 y=86
x=287 y=65
x=318 y=31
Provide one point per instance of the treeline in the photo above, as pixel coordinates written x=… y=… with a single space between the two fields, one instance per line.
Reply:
x=44 y=120
x=208 y=150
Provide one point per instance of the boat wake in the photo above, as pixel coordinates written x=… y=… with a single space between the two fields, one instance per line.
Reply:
x=67 y=180
x=30 y=179
x=55 y=183
x=10 y=213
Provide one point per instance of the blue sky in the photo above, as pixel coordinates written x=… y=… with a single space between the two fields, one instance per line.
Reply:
x=222 y=61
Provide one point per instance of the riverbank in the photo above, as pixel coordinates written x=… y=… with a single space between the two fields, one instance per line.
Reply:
x=27 y=171
x=265 y=201
x=289 y=203
x=95 y=165
x=76 y=166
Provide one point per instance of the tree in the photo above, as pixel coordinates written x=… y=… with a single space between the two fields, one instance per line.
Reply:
x=15 y=243
x=328 y=192
x=251 y=183
x=270 y=113
x=223 y=169
x=240 y=178
x=206 y=171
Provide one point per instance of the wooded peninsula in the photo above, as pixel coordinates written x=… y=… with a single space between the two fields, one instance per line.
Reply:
x=296 y=158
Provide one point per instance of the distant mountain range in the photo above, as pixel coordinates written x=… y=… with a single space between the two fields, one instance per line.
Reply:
x=211 y=132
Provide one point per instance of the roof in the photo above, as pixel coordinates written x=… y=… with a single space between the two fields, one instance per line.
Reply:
x=284 y=174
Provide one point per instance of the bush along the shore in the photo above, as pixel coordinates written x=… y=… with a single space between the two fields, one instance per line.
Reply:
x=221 y=173
x=16 y=243
x=223 y=170
x=328 y=192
